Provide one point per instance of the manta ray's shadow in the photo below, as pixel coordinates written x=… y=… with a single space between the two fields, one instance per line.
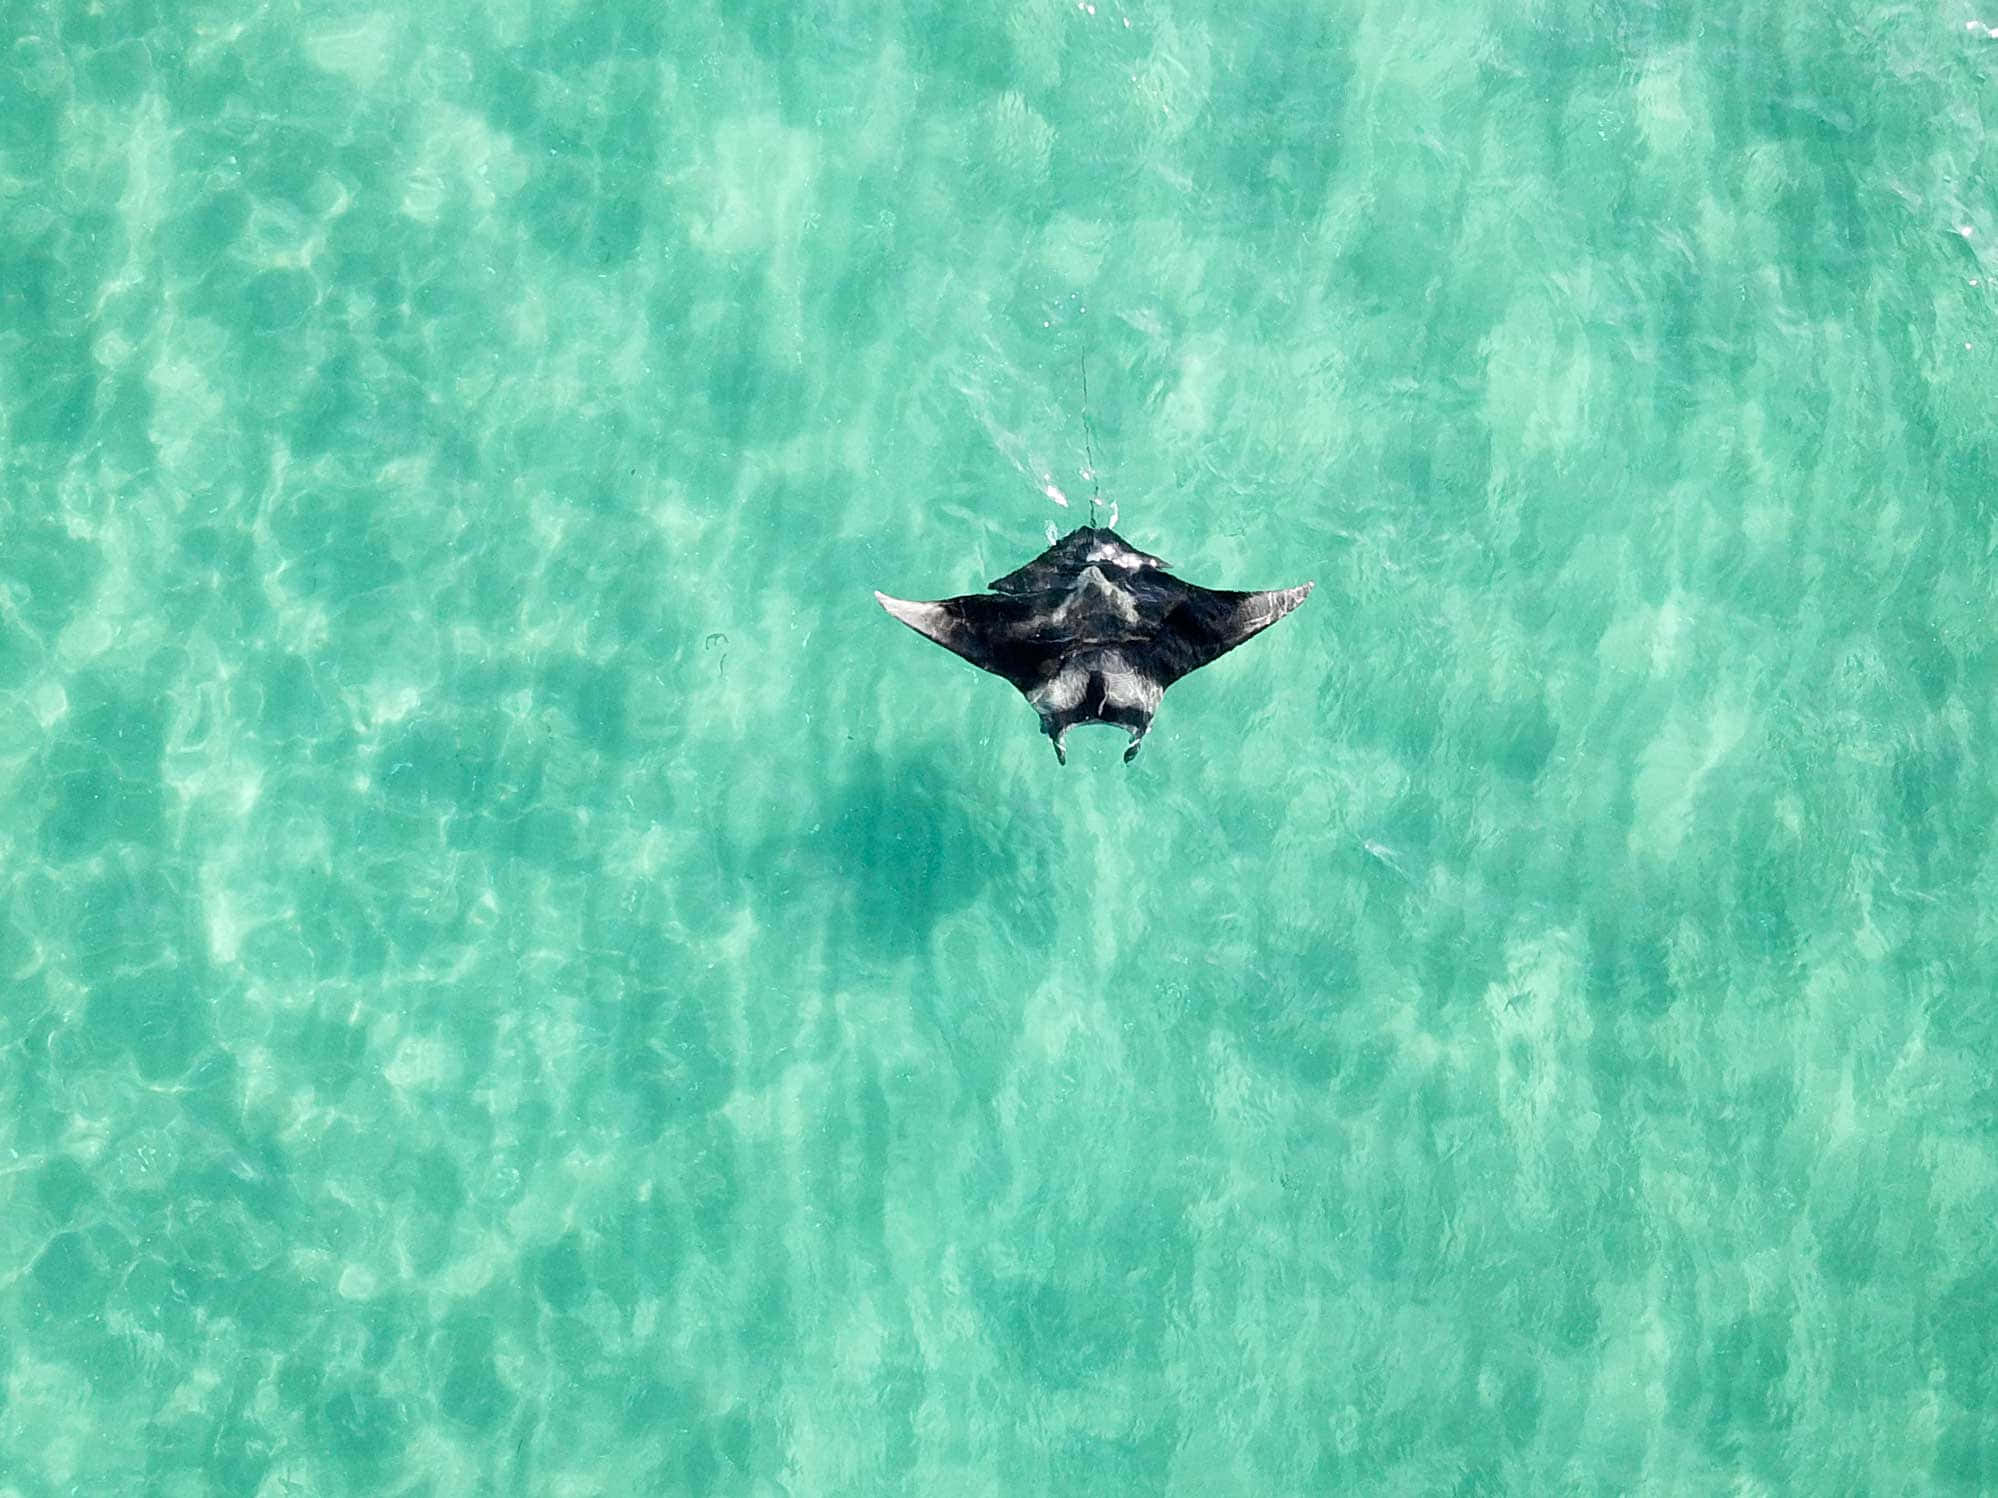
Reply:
x=899 y=836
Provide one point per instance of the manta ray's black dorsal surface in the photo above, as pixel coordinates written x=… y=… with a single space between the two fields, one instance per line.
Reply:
x=1093 y=631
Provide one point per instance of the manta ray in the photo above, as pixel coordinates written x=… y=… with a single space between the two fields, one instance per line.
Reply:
x=1093 y=631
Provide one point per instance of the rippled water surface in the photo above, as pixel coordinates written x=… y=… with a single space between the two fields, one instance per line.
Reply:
x=518 y=978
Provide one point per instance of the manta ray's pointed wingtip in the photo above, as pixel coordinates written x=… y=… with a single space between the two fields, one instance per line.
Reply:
x=906 y=610
x=1283 y=600
x=1258 y=611
x=930 y=620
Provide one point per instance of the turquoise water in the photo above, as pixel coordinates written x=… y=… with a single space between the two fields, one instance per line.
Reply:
x=520 y=979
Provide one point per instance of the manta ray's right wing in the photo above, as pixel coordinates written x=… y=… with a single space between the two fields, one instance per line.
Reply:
x=1206 y=623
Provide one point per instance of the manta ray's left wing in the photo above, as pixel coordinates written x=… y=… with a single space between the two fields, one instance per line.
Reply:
x=1002 y=633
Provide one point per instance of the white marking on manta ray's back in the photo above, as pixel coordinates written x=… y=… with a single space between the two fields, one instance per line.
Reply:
x=1062 y=692
x=1104 y=551
x=1129 y=558
x=1091 y=587
x=1123 y=686
x=1128 y=688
